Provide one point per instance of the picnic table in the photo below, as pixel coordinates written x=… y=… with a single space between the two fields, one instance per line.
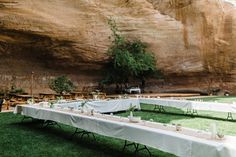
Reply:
x=50 y=96
x=20 y=97
x=76 y=95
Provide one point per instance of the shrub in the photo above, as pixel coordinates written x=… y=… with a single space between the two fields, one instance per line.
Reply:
x=61 y=85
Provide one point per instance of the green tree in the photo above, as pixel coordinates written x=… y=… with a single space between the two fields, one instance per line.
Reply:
x=61 y=85
x=129 y=59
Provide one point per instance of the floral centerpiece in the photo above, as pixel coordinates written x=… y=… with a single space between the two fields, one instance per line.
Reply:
x=95 y=94
x=59 y=98
x=131 y=117
x=82 y=105
x=31 y=101
x=131 y=110
x=51 y=104
x=125 y=96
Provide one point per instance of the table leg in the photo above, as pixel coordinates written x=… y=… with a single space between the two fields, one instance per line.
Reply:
x=83 y=133
x=76 y=130
x=230 y=116
x=128 y=144
x=25 y=117
x=50 y=123
x=189 y=111
x=155 y=107
x=160 y=108
x=144 y=148
x=137 y=148
x=195 y=112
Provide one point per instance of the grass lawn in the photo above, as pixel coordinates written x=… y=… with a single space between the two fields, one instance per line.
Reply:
x=28 y=139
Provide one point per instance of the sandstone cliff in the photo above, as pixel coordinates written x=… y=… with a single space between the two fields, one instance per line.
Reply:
x=193 y=40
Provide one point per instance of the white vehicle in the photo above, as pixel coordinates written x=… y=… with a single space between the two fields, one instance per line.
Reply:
x=132 y=90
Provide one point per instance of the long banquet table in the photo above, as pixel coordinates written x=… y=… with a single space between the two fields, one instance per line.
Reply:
x=187 y=104
x=187 y=143
x=115 y=105
x=69 y=104
x=104 y=106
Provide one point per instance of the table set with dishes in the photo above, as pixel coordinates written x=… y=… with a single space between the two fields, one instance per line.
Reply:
x=102 y=106
x=123 y=104
x=187 y=104
x=174 y=139
x=191 y=106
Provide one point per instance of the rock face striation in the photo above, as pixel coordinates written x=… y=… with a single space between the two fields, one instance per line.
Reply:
x=193 y=40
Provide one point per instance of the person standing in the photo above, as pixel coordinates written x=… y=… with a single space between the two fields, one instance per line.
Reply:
x=1 y=103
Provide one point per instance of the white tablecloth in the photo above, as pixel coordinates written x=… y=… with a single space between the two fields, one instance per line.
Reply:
x=168 y=141
x=107 y=106
x=213 y=106
x=104 y=106
x=74 y=104
x=183 y=104
x=116 y=105
x=186 y=104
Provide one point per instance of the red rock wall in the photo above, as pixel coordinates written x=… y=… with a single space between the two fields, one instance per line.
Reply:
x=193 y=41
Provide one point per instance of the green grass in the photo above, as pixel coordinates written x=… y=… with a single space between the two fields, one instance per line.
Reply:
x=28 y=139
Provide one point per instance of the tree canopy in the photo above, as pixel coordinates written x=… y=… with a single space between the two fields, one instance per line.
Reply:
x=129 y=59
